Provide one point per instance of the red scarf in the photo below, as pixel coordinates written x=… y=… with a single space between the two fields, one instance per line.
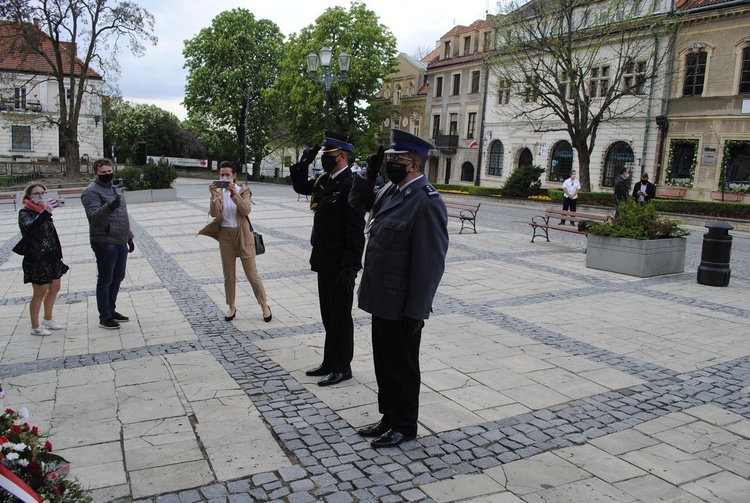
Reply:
x=27 y=203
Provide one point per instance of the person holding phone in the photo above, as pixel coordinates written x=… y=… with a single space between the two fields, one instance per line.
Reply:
x=42 y=256
x=230 y=206
x=111 y=240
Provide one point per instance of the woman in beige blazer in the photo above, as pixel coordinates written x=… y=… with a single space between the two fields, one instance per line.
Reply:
x=230 y=208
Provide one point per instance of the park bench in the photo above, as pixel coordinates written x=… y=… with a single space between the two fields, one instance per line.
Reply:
x=62 y=194
x=8 y=199
x=549 y=221
x=465 y=212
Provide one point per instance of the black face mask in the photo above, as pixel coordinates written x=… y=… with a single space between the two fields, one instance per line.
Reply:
x=396 y=172
x=106 y=178
x=328 y=162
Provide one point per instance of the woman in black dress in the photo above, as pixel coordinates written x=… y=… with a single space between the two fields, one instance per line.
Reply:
x=42 y=256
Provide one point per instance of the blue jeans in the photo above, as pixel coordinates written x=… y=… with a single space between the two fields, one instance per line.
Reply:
x=111 y=261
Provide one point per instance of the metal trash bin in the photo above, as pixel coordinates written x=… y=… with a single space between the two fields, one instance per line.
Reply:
x=717 y=248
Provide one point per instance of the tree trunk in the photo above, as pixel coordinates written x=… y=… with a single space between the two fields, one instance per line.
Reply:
x=72 y=154
x=584 y=161
x=256 y=169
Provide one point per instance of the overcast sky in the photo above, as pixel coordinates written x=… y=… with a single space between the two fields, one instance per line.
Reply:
x=158 y=77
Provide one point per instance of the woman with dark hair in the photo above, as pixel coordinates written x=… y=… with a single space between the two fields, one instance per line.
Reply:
x=230 y=207
x=42 y=256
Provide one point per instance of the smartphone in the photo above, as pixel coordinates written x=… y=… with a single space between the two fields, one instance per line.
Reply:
x=222 y=184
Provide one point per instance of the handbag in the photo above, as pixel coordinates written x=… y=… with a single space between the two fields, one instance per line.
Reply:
x=260 y=247
x=20 y=247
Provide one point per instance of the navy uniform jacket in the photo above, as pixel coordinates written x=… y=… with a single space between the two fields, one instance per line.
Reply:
x=338 y=229
x=406 y=248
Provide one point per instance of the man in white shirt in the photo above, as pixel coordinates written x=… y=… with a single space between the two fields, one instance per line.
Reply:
x=571 y=188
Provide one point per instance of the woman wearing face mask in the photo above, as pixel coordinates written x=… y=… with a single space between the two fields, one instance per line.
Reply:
x=230 y=208
x=42 y=256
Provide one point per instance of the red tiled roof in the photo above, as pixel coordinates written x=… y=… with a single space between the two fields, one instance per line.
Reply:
x=432 y=56
x=17 y=56
x=476 y=25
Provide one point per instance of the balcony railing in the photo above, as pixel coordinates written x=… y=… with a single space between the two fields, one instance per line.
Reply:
x=9 y=104
x=446 y=142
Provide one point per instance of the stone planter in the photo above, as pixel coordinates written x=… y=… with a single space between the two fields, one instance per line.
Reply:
x=150 y=196
x=670 y=192
x=636 y=257
x=729 y=197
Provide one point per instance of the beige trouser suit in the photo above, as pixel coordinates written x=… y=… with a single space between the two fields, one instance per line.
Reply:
x=235 y=242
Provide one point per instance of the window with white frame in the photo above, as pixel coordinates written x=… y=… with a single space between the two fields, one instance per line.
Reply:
x=467 y=45
x=436 y=125
x=531 y=89
x=456 y=84
x=495 y=166
x=503 y=92
x=475 y=81
x=695 y=73
x=438 y=87
x=19 y=102
x=453 y=125
x=471 y=125
x=20 y=138
x=398 y=95
x=745 y=71
x=599 y=82
x=415 y=127
x=633 y=79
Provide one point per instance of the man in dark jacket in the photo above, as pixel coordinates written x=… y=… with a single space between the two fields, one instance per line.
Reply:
x=644 y=191
x=111 y=240
x=621 y=189
x=337 y=243
x=404 y=261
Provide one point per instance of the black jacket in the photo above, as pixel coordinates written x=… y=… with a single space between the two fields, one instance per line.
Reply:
x=338 y=237
x=31 y=224
x=650 y=191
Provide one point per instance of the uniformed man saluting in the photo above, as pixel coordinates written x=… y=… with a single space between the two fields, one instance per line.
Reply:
x=404 y=261
x=337 y=242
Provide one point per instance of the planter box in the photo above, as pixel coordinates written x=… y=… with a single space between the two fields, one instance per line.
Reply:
x=150 y=196
x=636 y=257
x=729 y=197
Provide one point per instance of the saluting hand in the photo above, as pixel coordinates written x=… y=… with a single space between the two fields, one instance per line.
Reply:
x=374 y=161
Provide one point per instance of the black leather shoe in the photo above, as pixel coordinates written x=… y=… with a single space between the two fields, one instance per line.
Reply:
x=318 y=371
x=334 y=378
x=374 y=430
x=269 y=317
x=230 y=318
x=391 y=438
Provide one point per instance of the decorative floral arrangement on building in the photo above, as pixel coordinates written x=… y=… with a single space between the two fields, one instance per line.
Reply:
x=29 y=471
x=674 y=179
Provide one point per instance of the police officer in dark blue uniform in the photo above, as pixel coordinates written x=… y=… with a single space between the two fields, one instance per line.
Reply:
x=404 y=261
x=337 y=243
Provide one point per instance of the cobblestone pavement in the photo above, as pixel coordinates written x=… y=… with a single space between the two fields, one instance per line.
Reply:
x=542 y=380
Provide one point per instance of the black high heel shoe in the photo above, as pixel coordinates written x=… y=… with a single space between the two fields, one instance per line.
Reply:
x=230 y=318
x=269 y=317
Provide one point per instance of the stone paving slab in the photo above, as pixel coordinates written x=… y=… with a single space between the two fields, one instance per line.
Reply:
x=542 y=380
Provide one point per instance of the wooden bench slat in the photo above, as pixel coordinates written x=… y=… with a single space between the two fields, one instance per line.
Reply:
x=464 y=212
x=8 y=199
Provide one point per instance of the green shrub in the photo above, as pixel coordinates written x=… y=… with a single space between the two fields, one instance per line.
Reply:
x=638 y=221
x=703 y=208
x=591 y=198
x=133 y=178
x=159 y=175
x=523 y=182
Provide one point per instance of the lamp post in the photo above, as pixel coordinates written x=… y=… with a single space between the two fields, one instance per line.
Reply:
x=323 y=59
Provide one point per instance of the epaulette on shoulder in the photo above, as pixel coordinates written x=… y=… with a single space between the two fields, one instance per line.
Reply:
x=431 y=191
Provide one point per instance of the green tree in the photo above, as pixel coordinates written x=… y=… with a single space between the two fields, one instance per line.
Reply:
x=133 y=125
x=572 y=65
x=231 y=65
x=301 y=102
x=220 y=143
x=59 y=31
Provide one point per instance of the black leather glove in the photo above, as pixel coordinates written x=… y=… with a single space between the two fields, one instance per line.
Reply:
x=412 y=326
x=374 y=161
x=114 y=203
x=131 y=245
x=346 y=277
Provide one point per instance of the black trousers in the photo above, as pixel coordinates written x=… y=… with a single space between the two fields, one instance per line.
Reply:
x=396 y=358
x=569 y=203
x=336 y=311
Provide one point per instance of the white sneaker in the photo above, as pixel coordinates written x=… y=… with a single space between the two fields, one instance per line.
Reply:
x=52 y=324
x=40 y=330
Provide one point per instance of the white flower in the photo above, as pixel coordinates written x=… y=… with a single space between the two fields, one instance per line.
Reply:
x=12 y=456
x=17 y=447
x=23 y=462
x=23 y=413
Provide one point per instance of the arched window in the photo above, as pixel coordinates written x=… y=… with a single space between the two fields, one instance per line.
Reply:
x=561 y=162
x=526 y=158
x=467 y=172
x=619 y=155
x=398 y=95
x=495 y=167
x=695 y=72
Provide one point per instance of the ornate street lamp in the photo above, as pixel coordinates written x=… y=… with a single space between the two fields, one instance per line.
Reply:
x=323 y=58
